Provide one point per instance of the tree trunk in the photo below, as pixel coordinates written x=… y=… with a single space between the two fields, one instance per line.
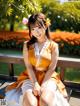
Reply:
x=12 y=23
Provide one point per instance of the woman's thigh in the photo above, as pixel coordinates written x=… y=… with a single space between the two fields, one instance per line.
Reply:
x=48 y=91
x=49 y=85
x=28 y=96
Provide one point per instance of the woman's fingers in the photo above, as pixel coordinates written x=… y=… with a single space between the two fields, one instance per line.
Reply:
x=35 y=92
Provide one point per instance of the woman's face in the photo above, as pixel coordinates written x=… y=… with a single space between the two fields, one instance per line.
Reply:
x=38 y=31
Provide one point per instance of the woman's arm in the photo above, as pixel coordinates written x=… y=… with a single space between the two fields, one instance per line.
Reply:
x=36 y=86
x=27 y=64
x=54 y=59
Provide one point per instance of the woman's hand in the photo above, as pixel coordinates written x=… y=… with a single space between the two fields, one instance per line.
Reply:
x=36 y=89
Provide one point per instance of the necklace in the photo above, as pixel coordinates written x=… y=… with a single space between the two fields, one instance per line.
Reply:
x=40 y=46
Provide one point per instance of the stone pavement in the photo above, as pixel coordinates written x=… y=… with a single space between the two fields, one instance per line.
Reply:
x=75 y=99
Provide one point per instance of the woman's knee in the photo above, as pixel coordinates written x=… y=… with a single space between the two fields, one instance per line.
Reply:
x=31 y=100
x=44 y=100
x=33 y=103
x=47 y=97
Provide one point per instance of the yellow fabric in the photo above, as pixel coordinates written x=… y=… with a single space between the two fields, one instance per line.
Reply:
x=43 y=61
x=40 y=75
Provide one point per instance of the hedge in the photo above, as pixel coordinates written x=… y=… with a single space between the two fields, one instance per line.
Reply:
x=69 y=43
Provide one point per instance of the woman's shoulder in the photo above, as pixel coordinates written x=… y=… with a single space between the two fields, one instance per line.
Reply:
x=54 y=47
x=53 y=44
x=25 y=42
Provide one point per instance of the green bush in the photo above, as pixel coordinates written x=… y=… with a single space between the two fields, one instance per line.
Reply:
x=11 y=44
x=12 y=11
x=69 y=50
x=64 y=16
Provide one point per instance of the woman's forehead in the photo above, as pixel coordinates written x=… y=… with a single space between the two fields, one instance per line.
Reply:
x=36 y=24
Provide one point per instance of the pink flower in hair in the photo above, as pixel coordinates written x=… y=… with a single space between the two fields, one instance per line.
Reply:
x=25 y=21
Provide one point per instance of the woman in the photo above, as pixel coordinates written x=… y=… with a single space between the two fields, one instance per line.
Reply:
x=39 y=85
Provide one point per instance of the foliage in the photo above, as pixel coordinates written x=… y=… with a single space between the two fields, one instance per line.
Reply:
x=69 y=43
x=13 y=39
x=64 y=16
x=12 y=11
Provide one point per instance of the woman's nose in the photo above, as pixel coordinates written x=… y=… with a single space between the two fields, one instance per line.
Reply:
x=36 y=29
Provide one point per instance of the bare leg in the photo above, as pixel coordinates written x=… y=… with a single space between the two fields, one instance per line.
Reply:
x=47 y=98
x=29 y=99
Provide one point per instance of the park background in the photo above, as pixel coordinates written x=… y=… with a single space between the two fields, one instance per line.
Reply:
x=65 y=29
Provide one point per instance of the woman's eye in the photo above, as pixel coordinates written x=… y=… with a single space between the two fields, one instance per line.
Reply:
x=39 y=27
x=32 y=29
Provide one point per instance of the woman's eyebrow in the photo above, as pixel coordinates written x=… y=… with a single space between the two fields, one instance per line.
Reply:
x=35 y=26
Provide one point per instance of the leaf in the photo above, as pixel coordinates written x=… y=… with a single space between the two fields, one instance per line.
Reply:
x=9 y=11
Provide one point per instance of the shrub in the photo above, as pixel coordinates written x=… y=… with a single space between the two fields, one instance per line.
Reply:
x=69 y=43
x=65 y=17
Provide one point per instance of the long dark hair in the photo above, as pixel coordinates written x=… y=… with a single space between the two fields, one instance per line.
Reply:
x=40 y=18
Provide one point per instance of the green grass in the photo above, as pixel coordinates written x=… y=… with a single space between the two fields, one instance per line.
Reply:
x=71 y=74
x=10 y=51
x=18 y=68
x=4 y=69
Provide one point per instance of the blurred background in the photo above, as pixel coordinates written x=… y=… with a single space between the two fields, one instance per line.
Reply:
x=64 y=16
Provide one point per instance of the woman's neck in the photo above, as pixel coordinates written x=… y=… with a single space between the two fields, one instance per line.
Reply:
x=42 y=40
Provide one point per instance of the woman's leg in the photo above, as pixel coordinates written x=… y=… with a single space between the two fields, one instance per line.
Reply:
x=29 y=99
x=47 y=97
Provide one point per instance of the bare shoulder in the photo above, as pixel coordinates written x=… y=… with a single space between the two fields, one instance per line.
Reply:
x=54 y=47
x=25 y=45
x=25 y=42
x=53 y=44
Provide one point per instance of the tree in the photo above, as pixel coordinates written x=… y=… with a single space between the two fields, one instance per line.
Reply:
x=64 y=16
x=15 y=10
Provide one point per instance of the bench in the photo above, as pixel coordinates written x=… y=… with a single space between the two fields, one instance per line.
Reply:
x=63 y=63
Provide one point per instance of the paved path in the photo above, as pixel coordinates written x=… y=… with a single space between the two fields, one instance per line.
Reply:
x=75 y=99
